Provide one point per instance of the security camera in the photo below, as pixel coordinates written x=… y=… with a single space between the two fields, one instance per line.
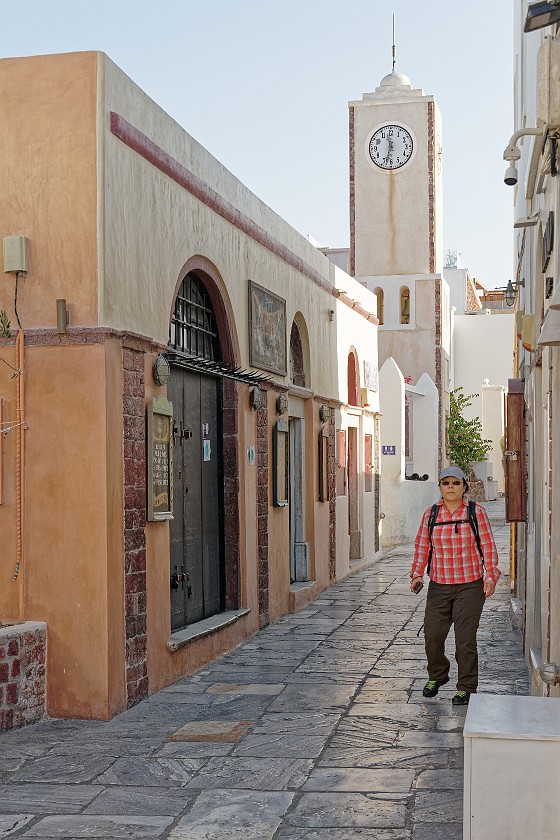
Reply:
x=510 y=178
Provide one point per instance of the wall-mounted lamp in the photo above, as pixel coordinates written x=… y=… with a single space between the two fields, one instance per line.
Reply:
x=256 y=398
x=511 y=291
x=161 y=370
x=62 y=316
x=282 y=403
x=542 y=14
x=528 y=221
x=323 y=413
x=549 y=673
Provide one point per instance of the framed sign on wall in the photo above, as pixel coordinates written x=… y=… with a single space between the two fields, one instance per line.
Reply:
x=267 y=330
x=159 y=490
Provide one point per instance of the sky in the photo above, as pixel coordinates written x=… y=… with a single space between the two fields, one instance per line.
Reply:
x=264 y=85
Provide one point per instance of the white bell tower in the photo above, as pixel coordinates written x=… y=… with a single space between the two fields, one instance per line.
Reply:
x=395 y=181
x=396 y=230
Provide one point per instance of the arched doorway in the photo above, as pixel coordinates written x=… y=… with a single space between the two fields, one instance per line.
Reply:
x=299 y=364
x=197 y=573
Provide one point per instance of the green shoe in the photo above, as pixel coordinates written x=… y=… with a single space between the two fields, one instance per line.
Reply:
x=433 y=686
x=461 y=698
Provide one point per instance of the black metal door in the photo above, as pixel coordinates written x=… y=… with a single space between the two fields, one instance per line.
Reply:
x=196 y=579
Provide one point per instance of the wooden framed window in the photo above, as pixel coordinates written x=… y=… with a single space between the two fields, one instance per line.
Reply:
x=323 y=465
x=280 y=465
x=340 y=462
x=368 y=463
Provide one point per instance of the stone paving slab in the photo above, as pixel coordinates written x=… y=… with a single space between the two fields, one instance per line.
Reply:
x=98 y=826
x=63 y=768
x=380 y=756
x=252 y=773
x=10 y=823
x=254 y=688
x=232 y=814
x=159 y=772
x=45 y=798
x=314 y=728
x=212 y=730
x=359 y=810
x=361 y=781
x=344 y=834
x=138 y=801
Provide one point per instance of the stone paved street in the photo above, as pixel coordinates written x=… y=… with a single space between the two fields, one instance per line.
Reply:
x=314 y=728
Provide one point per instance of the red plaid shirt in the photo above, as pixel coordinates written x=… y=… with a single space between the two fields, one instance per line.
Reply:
x=455 y=558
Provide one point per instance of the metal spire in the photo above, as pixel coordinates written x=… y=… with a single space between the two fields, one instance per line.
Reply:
x=394 y=47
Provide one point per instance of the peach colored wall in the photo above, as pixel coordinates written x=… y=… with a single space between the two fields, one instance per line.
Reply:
x=52 y=167
x=48 y=173
x=67 y=577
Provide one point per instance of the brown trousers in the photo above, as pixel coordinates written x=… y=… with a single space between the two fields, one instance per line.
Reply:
x=459 y=604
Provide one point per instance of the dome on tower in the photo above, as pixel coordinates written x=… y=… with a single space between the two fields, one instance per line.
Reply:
x=395 y=80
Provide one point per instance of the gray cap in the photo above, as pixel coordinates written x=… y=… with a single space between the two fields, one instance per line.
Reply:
x=452 y=472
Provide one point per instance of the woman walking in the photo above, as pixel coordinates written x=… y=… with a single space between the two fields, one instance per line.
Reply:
x=456 y=548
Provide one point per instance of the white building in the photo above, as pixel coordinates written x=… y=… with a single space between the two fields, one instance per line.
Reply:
x=535 y=415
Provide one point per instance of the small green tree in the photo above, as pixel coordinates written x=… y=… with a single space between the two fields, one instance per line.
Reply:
x=465 y=443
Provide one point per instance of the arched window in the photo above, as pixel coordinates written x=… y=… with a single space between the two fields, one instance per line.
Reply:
x=352 y=379
x=193 y=324
x=380 y=304
x=405 y=305
x=297 y=369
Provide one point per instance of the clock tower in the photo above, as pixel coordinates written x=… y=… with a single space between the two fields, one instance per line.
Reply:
x=396 y=231
x=395 y=181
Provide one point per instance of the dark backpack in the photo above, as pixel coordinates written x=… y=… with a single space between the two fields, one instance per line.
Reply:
x=472 y=520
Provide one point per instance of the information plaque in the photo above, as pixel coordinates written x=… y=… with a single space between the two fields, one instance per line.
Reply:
x=159 y=460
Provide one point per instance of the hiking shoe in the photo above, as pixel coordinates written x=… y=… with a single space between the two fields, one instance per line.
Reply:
x=461 y=698
x=433 y=686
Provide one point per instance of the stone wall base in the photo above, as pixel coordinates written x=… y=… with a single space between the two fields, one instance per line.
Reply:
x=23 y=665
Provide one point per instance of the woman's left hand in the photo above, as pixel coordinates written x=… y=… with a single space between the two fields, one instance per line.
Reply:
x=489 y=588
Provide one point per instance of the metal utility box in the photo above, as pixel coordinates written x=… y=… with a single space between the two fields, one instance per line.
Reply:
x=15 y=254
x=512 y=768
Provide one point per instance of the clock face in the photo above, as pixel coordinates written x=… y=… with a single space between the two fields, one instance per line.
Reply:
x=391 y=146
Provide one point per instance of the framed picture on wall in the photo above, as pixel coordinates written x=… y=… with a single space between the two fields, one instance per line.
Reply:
x=267 y=330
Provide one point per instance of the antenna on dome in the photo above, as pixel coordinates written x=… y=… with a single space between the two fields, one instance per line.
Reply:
x=394 y=47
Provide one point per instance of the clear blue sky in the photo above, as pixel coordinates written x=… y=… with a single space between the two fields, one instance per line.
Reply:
x=264 y=85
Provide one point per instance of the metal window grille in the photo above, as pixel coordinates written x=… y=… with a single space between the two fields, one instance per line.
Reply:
x=193 y=325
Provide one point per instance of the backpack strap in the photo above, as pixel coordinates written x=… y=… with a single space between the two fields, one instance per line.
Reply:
x=431 y=522
x=473 y=521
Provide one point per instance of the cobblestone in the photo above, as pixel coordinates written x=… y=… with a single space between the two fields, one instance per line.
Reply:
x=327 y=734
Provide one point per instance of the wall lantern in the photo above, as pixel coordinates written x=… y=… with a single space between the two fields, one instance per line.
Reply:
x=542 y=14
x=323 y=413
x=511 y=291
x=256 y=398
x=282 y=404
x=161 y=370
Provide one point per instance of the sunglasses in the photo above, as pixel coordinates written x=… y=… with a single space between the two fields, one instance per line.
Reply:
x=447 y=483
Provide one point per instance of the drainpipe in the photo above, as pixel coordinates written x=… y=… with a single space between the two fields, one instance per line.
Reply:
x=19 y=573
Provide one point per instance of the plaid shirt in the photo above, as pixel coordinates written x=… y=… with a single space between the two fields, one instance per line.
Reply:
x=455 y=558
